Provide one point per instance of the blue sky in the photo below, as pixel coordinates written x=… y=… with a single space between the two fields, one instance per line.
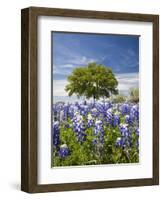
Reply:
x=119 y=52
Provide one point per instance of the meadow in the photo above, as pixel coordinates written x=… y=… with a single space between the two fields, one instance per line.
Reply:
x=95 y=133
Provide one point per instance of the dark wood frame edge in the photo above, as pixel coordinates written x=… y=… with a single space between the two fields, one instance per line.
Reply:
x=29 y=99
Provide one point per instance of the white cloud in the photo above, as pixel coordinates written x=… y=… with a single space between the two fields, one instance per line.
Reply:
x=62 y=71
x=59 y=87
x=66 y=67
x=83 y=60
x=127 y=81
x=129 y=58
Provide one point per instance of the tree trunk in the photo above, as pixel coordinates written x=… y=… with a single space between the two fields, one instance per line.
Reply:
x=94 y=98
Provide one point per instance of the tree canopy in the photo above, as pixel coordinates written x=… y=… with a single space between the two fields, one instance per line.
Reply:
x=94 y=80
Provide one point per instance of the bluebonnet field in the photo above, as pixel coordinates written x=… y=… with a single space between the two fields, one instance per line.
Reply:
x=95 y=133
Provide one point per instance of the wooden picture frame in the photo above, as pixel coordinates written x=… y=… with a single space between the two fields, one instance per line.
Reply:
x=29 y=87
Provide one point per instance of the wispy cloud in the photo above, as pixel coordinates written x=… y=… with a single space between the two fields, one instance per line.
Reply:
x=65 y=55
x=129 y=58
x=67 y=65
x=127 y=81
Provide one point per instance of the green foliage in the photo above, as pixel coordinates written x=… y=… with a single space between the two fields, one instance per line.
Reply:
x=94 y=80
x=134 y=95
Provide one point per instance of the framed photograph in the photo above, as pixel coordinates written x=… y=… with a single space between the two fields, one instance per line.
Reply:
x=90 y=99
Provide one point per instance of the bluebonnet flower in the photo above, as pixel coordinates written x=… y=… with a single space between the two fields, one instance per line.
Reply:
x=90 y=120
x=104 y=107
x=135 y=112
x=79 y=128
x=109 y=116
x=116 y=120
x=94 y=141
x=76 y=103
x=126 y=136
x=94 y=112
x=128 y=119
x=108 y=105
x=125 y=108
x=63 y=151
x=72 y=110
x=121 y=142
x=56 y=133
x=98 y=127
x=101 y=107
x=83 y=110
x=56 y=111
x=66 y=111
x=137 y=131
x=124 y=130
x=98 y=130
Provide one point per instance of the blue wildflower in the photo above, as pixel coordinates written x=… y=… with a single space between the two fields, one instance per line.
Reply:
x=109 y=116
x=79 y=128
x=124 y=130
x=63 y=151
x=94 y=141
x=125 y=109
x=128 y=119
x=90 y=120
x=135 y=112
x=99 y=131
x=94 y=112
x=137 y=131
x=116 y=120
x=120 y=142
x=56 y=133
